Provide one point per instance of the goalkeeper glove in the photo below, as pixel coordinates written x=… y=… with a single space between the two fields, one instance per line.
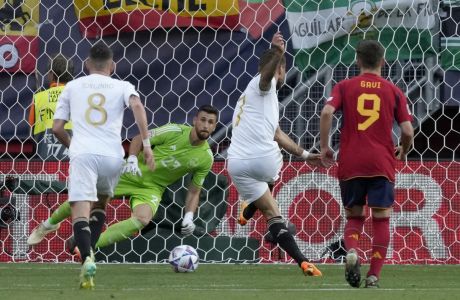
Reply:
x=187 y=224
x=131 y=166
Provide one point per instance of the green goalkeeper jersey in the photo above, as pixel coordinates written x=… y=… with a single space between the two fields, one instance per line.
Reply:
x=176 y=157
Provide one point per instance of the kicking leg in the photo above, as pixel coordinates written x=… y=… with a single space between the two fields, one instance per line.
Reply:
x=247 y=211
x=277 y=227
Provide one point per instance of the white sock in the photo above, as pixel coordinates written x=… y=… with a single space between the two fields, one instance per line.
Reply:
x=47 y=224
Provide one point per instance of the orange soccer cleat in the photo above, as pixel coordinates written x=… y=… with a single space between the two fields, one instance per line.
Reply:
x=310 y=269
x=241 y=220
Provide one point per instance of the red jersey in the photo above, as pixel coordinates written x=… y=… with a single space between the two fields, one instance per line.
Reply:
x=369 y=106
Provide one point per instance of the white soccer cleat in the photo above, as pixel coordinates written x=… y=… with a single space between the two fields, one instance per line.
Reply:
x=39 y=233
x=372 y=282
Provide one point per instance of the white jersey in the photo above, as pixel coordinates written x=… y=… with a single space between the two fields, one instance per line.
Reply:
x=95 y=104
x=255 y=121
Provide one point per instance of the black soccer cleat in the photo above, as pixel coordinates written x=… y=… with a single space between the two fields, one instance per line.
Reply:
x=352 y=269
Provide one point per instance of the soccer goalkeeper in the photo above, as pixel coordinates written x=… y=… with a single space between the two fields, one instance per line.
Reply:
x=178 y=150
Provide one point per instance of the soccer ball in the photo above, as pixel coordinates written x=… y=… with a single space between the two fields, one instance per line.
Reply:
x=184 y=259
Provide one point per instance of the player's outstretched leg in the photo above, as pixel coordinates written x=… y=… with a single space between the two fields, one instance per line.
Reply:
x=352 y=268
x=114 y=233
x=51 y=224
x=119 y=231
x=39 y=232
x=278 y=229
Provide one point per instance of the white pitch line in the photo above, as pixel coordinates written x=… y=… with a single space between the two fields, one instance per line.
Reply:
x=312 y=290
x=99 y=288
x=42 y=268
x=291 y=290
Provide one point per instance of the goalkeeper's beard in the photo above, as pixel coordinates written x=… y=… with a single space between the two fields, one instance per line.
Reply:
x=202 y=135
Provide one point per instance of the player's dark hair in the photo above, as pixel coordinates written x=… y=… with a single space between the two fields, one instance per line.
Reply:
x=268 y=56
x=370 y=53
x=100 y=54
x=208 y=109
x=61 y=68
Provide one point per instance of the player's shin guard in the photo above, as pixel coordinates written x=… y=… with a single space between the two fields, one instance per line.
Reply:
x=82 y=235
x=60 y=214
x=284 y=238
x=352 y=232
x=96 y=222
x=380 y=242
x=119 y=231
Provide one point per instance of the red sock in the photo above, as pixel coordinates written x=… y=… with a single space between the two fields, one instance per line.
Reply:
x=380 y=242
x=352 y=231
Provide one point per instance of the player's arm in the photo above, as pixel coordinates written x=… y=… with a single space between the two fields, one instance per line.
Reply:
x=157 y=137
x=268 y=72
x=192 y=199
x=135 y=147
x=61 y=134
x=403 y=117
x=132 y=164
x=61 y=117
x=141 y=119
x=327 y=155
x=285 y=142
x=407 y=136
x=193 y=194
x=191 y=203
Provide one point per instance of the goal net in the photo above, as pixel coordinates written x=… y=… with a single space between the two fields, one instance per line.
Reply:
x=181 y=54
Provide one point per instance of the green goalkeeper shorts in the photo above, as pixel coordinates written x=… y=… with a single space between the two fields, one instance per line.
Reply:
x=139 y=193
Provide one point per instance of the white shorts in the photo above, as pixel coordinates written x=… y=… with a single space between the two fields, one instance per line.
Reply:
x=91 y=175
x=251 y=176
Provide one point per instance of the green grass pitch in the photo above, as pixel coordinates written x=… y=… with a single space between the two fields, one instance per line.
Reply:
x=223 y=281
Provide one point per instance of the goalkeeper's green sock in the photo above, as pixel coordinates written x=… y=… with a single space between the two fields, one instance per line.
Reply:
x=119 y=231
x=60 y=214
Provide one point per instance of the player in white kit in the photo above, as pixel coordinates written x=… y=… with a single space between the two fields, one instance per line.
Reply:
x=95 y=104
x=254 y=156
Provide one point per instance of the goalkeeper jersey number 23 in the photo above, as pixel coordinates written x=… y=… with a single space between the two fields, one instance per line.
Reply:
x=175 y=157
